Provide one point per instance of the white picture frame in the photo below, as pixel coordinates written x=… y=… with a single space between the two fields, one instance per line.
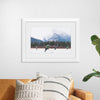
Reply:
x=29 y=26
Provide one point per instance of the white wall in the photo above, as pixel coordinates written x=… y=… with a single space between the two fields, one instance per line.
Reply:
x=11 y=12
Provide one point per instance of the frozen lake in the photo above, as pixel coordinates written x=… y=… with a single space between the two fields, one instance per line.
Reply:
x=50 y=51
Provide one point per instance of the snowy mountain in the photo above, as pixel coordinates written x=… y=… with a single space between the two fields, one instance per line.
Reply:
x=33 y=40
x=59 y=37
x=55 y=37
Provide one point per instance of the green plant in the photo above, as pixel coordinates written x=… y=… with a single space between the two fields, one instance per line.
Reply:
x=95 y=41
x=87 y=77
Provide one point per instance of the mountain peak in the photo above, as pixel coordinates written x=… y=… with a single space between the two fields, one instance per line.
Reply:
x=35 y=40
x=60 y=37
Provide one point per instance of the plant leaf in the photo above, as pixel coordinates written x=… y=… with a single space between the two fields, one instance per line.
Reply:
x=94 y=37
x=96 y=42
x=98 y=49
x=87 y=77
x=96 y=71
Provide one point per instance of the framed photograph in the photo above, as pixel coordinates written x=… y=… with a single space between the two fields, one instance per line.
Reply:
x=50 y=40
